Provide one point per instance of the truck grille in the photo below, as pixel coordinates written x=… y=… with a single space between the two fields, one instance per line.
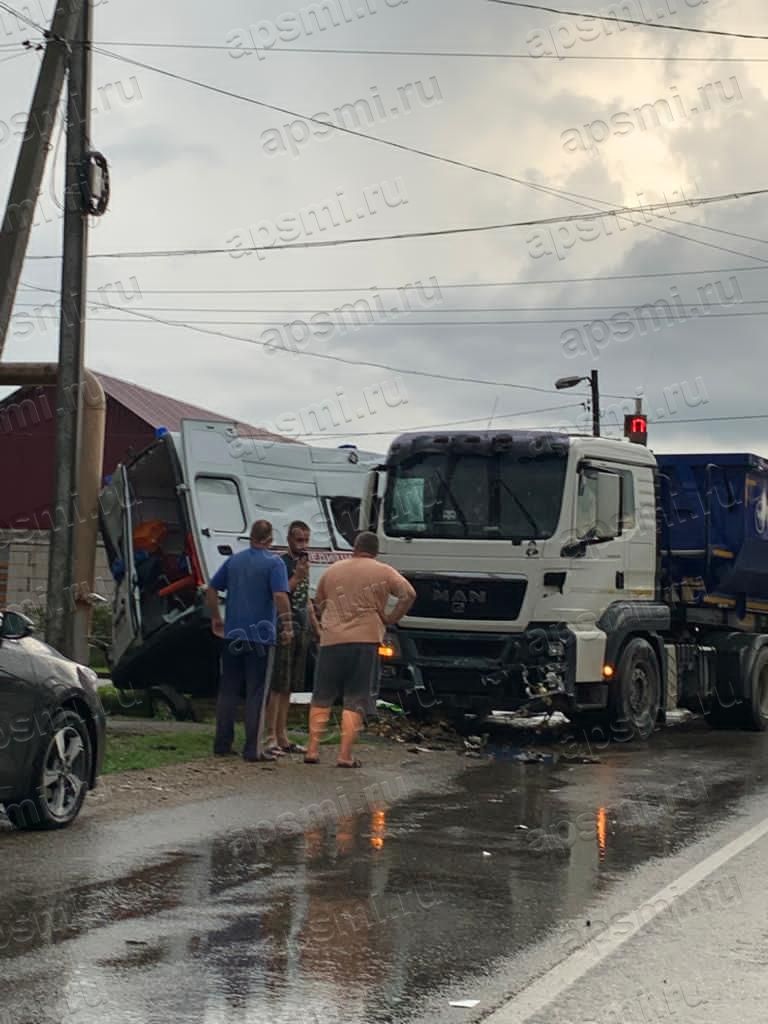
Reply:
x=473 y=646
x=446 y=597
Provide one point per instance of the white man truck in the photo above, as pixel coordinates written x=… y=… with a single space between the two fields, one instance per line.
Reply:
x=575 y=573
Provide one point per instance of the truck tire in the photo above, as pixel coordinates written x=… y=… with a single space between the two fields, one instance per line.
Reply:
x=746 y=714
x=635 y=693
x=169 y=705
x=754 y=712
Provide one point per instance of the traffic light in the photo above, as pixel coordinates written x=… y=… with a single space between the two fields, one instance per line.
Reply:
x=636 y=427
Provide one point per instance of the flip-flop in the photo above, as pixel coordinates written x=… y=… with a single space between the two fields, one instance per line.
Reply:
x=311 y=760
x=293 y=748
x=353 y=764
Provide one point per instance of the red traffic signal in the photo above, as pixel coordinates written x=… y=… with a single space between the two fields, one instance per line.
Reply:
x=636 y=428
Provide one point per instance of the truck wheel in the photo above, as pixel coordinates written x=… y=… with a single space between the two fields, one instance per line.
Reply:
x=754 y=712
x=635 y=694
x=750 y=713
x=168 y=705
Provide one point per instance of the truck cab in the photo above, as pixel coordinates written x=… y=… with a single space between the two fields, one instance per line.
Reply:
x=531 y=554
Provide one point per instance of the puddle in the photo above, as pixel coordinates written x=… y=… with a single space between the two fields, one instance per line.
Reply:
x=358 y=916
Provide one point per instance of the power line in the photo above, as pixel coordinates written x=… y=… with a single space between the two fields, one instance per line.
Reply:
x=530 y=412
x=438 y=426
x=712 y=419
x=626 y=307
x=628 y=21
x=13 y=56
x=653 y=314
x=23 y=17
x=437 y=233
x=329 y=357
x=528 y=282
x=467 y=54
x=575 y=197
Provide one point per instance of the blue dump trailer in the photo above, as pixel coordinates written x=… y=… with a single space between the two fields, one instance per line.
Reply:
x=580 y=573
x=713 y=532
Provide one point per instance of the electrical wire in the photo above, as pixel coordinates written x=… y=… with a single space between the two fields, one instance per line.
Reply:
x=575 y=197
x=654 y=314
x=437 y=233
x=528 y=282
x=21 y=53
x=329 y=356
x=673 y=304
x=504 y=416
x=439 y=426
x=628 y=21
x=22 y=17
x=467 y=54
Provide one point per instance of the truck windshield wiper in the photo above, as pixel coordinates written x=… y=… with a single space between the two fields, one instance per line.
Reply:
x=447 y=492
x=534 y=525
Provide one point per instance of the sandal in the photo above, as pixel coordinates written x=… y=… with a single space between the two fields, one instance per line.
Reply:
x=292 y=748
x=349 y=764
x=311 y=760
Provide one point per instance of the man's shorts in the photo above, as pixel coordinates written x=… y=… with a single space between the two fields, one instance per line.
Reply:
x=348 y=673
x=291 y=664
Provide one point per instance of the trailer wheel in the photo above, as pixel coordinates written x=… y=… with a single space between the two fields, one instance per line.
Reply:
x=754 y=712
x=745 y=713
x=635 y=694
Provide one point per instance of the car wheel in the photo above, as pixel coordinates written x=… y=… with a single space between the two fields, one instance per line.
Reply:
x=60 y=776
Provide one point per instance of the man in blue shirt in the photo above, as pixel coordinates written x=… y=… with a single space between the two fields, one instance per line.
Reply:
x=256 y=584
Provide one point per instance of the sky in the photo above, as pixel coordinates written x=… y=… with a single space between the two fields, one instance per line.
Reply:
x=669 y=119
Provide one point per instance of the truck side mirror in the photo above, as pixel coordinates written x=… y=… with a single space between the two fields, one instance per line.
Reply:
x=608 y=506
x=369 y=506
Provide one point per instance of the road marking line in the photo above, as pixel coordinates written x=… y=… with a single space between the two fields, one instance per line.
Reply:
x=545 y=989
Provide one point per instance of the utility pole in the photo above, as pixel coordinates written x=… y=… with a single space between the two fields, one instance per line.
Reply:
x=595 y=403
x=62 y=587
x=33 y=154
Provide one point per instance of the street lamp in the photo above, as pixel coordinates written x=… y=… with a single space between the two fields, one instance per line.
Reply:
x=571 y=382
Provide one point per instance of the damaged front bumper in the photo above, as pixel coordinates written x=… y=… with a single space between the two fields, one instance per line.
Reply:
x=473 y=671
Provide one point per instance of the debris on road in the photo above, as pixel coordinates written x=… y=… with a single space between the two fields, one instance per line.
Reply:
x=467 y=1004
x=578 y=759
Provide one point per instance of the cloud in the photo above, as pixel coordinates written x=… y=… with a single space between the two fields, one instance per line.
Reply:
x=188 y=166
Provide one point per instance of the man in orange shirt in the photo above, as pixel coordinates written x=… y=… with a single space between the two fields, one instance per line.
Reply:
x=352 y=598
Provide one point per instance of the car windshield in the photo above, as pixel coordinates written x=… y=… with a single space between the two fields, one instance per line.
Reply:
x=502 y=495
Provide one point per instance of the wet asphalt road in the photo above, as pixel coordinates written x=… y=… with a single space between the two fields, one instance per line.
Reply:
x=368 y=907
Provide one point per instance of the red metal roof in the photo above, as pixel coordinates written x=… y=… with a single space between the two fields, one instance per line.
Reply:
x=159 y=410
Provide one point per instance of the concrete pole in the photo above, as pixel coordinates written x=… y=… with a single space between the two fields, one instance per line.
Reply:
x=62 y=585
x=88 y=487
x=33 y=154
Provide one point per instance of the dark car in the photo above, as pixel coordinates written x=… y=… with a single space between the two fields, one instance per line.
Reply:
x=51 y=729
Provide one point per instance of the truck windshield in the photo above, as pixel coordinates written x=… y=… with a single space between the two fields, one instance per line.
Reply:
x=504 y=496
